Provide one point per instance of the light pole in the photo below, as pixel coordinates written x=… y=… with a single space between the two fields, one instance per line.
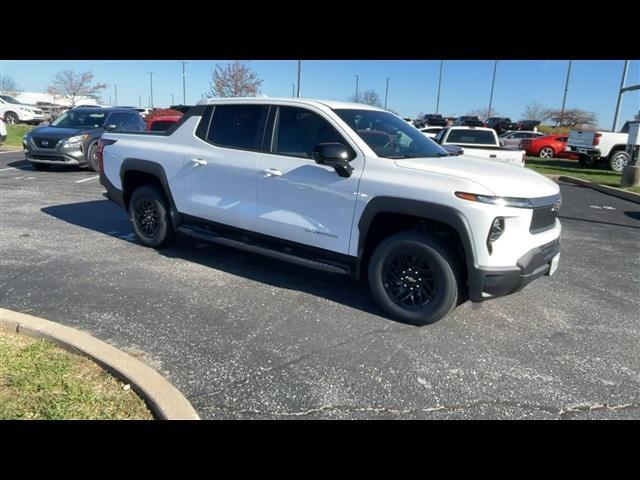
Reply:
x=173 y=102
x=139 y=101
x=493 y=82
x=184 y=85
x=566 y=89
x=115 y=87
x=151 y=74
x=386 y=94
x=439 y=85
x=622 y=82
x=299 y=68
x=357 y=79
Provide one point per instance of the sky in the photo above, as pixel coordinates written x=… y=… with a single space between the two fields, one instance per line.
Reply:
x=413 y=85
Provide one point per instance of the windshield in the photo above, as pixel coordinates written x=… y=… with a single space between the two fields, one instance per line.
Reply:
x=80 y=119
x=9 y=99
x=388 y=135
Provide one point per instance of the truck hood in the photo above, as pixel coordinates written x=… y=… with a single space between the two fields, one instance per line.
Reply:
x=502 y=179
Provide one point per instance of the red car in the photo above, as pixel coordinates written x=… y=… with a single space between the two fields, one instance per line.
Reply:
x=549 y=146
x=161 y=123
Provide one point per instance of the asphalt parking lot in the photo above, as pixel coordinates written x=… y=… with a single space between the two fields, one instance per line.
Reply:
x=243 y=336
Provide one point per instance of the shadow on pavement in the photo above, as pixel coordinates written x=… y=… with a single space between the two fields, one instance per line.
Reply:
x=105 y=217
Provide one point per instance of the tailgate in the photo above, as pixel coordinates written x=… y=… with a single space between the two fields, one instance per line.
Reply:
x=580 y=138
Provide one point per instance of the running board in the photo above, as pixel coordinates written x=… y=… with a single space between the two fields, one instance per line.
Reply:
x=208 y=236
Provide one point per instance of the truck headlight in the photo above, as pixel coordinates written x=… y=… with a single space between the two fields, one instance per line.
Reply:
x=495 y=232
x=499 y=201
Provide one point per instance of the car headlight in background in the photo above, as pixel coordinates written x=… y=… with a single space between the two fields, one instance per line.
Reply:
x=499 y=201
x=75 y=141
x=78 y=138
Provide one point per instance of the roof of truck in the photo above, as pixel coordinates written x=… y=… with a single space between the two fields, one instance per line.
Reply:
x=293 y=101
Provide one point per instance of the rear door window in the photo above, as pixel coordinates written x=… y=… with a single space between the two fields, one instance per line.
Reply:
x=238 y=126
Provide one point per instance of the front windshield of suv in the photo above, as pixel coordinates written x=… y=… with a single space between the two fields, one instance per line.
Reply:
x=388 y=135
x=80 y=119
x=9 y=99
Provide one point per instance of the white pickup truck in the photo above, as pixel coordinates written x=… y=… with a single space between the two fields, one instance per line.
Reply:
x=480 y=142
x=341 y=187
x=593 y=147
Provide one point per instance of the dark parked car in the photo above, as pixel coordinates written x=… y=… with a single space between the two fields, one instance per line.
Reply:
x=433 y=120
x=528 y=125
x=501 y=124
x=72 y=138
x=430 y=120
x=468 y=121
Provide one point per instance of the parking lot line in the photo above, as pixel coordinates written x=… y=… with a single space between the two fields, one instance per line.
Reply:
x=87 y=179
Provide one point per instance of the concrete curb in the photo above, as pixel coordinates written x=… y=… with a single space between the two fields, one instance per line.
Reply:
x=4 y=150
x=616 y=192
x=165 y=401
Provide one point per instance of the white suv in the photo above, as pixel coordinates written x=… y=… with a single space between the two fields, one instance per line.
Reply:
x=342 y=187
x=12 y=111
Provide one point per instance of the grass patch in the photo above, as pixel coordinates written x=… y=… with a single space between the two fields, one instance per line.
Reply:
x=556 y=166
x=39 y=380
x=15 y=134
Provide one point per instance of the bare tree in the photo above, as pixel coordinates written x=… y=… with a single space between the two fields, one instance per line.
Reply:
x=73 y=86
x=535 y=111
x=235 y=80
x=368 y=97
x=573 y=118
x=482 y=113
x=8 y=86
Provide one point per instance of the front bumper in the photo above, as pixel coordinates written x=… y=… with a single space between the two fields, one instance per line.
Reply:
x=485 y=284
x=31 y=117
x=55 y=156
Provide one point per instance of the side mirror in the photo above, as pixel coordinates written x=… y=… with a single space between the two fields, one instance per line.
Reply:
x=111 y=127
x=334 y=155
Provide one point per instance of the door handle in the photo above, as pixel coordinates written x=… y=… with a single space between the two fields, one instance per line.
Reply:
x=271 y=172
x=196 y=162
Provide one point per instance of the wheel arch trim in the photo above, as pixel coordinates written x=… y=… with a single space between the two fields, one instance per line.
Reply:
x=154 y=169
x=427 y=210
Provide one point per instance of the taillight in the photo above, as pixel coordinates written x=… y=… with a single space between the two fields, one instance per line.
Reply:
x=596 y=138
x=99 y=154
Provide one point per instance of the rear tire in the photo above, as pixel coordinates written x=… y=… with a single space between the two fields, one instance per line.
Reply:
x=618 y=160
x=149 y=215
x=41 y=166
x=413 y=278
x=546 y=153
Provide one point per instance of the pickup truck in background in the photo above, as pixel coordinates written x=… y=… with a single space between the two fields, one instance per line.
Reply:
x=432 y=120
x=479 y=142
x=594 y=147
x=468 y=121
x=501 y=124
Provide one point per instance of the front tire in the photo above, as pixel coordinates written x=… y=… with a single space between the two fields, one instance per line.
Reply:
x=11 y=118
x=546 y=153
x=618 y=160
x=92 y=158
x=413 y=278
x=150 y=218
